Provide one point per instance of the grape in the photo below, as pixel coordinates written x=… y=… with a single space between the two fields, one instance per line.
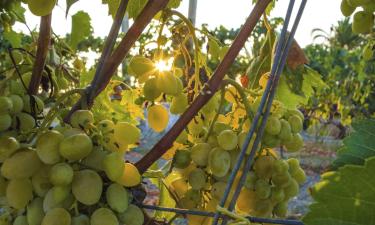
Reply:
x=285 y=131
x=81 y=220
x=130 y=177
x=292 y=189
x=219 y=127
x=182 y=159
x=197 y=179
x=273 y=125
x=199 y=153
x=47 y=146
x=277 y=194
x=40 y=181
x=33 y=104
x=251 y=179
x=179 y=104
x=23 y=122
x=280 y=166
x=106 y=126
x=35 y=212
x=57 y=216
x=113 y=165
x=293 y=165
x=219 y=162
x=17 y=103
x=212 y=141
x=281 y=209
x=346 y=9
x=20 y=220
x=270 y=141
x=218 y=189
x=126 y=133
x=8 y=145
x=281 y=180
x=295 y=124
x=117 y=198
x=61 y=174
x=141 y=66
x=19 y=192
x=263 y=166
x=195 y=126
x=94 y=159
x=300 y=176
x=3 y=186
x=262 y=189
x=49 y=201
x=294 y=144
x=263 y=208
x=157 y=117
x=363 y=22
x=21 y=165
x=6 y=105
x=227 y=140
x=167 y=83
x=191 y=199
x=81 y=119
x=295 y=112
x=5 y=122
x=87 y=186
x=75 y=147
x=246 y=201
x=132 y=216
x=60 y=193
x=180 y=186
x=150 y=89
x=41 y=8
x=72 y=131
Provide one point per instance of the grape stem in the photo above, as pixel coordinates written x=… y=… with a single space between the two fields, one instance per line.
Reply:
x=44 y=40
x=208 y=91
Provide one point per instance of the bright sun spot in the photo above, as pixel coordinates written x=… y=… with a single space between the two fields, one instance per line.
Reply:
x=163 y=65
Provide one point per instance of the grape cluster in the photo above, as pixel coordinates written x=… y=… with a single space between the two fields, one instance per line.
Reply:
x=363 y=19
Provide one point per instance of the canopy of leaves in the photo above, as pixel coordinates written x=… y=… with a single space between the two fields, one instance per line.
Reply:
x=344 y=197
x=359 y=145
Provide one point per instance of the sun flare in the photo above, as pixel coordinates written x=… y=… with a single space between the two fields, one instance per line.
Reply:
x=164 y=65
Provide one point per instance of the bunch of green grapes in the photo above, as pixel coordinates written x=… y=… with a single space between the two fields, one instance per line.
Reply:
x=363 y=19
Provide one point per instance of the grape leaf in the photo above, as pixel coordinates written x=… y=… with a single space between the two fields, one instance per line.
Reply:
x=344 y=197
x=19 y=11
x=81 y=28
x=13 y=38
x=69 y=4
x=135 y=7
x=112 y=6
x=359 y=145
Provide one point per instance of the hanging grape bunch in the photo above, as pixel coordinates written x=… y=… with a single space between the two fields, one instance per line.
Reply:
x=363 y=18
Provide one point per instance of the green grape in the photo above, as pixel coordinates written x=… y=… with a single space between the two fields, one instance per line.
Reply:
x=281 y=180
x=150 y=89
x=157 y=118
x=82 y=119
x=6 y=105
x=50 y=201
x=292 y=189
x=356 y=3
x=20 y=220
x=262 y=189
x=75 y=147
x=346 y=9
x=199 y=153
x=193 y=197
x=212 y=141
x=293 y=165
x=61 y=174
x=263 y=208
x=277 y=194
x=23 y=122
x=47 y=146
x=187 y=203
x=113 y=165
x=126 y=133
x=106 y=126
x=295 y=124
x=17 y=103
x=280 y=166
x=180 y=86
x=3 y=186
x=57 y=216
x=22 y=164
x=33 y=104
x=273 y=125
x=41 y=8
x=87 y=187
x=60 y=193
x=300 y=176
x=285 y=131
x=220 y=127
x=369 y=7
x=251 y=179
x=270 y=141
x=180 y=186
x=197 y=179
x=34 y=212
x=281 y=209
x=182 y=159
x=195 y=126
x=212 y=105
x=227 y=140
x=5 y=122
x=94 y=159
x=131 y=176
x=103 y=216
x=294 y=144
x=81 y=220
x=67 y=132
x=219 y=162
x=167 y=83
x=263 y=166
x=295 y=112
x=40 y=181
x=363 y=22
x=19 y=193
x=132 y=216
x=179 y=104
x=141 y=66
x=117 y=198
x=8 y=145
x=218 y=189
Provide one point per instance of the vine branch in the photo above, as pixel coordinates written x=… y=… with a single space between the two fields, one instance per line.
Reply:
x=41 y=53
x=212 y=86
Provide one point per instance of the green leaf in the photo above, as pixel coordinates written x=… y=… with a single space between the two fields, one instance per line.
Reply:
x=213 y=48
x=20 y=12
x=344 y=197
x=13 y=38
x=174 y=4
x=113 y=5
x=81 y=28
x=359 y=145
x=69 y=4
x=135 y=7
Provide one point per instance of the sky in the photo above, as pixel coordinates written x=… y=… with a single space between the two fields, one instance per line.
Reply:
x=229 y=13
